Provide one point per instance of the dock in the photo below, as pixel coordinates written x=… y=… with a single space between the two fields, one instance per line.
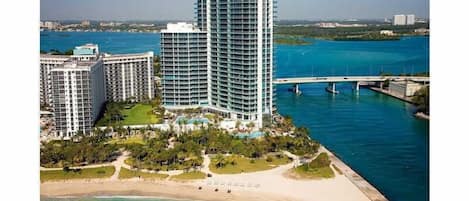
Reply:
x=369 y=190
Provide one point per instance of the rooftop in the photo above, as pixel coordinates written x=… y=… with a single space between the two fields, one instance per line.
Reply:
x=180 y=27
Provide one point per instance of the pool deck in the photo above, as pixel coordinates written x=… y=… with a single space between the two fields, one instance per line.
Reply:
x=369 y=190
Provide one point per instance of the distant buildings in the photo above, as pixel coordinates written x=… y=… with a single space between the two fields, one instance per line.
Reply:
x=76 y=86
x=404 y=20
x=399 y=20
x=50 y=25
x=422 y=31
x=184 y=66
x=387 y=32
x=85 y=23
x=410 y=19
x=335 y=25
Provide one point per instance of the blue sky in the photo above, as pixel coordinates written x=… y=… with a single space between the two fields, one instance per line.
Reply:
x=183 y=9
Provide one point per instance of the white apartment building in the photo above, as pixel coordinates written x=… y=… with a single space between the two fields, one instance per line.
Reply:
x=410 y=19
x=78 y=94
x=399 y=20
x=184 y=66
x=129 y=77
x=47 y=63
x=76 y=86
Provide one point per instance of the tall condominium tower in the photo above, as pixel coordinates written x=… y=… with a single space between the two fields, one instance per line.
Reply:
x=78 y=93
x=240 y=58
x=184 y=66
x=129 y=77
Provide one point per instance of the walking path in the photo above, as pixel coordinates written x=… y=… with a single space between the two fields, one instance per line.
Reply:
x=118 y=165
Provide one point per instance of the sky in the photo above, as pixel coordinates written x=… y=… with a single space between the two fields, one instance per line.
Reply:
x=184 y=9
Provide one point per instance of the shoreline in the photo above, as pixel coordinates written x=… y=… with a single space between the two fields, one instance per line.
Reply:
x=148 y=189
x=419 y=115
x=361 y=183
x=269 y=185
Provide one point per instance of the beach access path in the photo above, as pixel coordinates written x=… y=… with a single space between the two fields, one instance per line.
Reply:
x=270 y=185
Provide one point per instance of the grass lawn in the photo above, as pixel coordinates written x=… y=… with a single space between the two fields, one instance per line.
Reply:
x=139 y=114
x=88 y=173
x=319 y=168
x=190 y=176
x=245 y=165
x=314 y=173
x=130 y=140
x=127 y=174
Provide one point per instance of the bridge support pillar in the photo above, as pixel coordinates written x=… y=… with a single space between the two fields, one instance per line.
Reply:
x=381 y=85
x=357 y=86
x=331 y=88
x=297 y=89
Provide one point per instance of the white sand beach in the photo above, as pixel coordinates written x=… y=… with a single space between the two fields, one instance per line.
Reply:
x=264 y=185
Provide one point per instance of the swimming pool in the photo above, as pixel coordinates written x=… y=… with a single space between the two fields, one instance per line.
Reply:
x=253 y=135
x=181 y=119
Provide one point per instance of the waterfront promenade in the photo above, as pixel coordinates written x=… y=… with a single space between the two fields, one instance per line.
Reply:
x=369 y=190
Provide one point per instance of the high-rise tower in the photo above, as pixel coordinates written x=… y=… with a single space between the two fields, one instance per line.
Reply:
x=240 y=67
x=240 y=57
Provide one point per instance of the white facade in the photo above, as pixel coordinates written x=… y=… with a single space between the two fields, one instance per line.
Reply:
x=399 y=20
x=78 y=96
x=129 y=77
x=240 y=65
x=387 y=32
x=410 y=20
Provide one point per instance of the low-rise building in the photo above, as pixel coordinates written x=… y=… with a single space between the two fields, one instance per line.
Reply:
x=404 y=88
x=86 y=52
x=387 y=32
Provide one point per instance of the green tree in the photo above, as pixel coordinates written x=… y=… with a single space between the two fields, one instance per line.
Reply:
x=422 y=100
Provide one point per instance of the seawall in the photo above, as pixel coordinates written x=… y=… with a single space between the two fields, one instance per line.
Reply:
x=369 y=190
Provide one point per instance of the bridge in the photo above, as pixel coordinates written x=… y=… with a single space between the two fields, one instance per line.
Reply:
x=332 y=80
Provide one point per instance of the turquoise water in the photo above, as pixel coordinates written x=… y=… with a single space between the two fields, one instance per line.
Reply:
x=376 y=135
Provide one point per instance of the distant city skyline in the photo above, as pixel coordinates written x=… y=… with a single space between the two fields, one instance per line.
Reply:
x=125 y=10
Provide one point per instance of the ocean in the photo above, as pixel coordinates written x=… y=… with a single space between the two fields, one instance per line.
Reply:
x=374 y=134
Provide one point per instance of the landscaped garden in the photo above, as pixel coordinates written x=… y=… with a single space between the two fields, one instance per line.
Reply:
x=131 y=114
x=319 y=168
x=128 y=174
x=192 y=175
x=88 y=173
x=236 y=164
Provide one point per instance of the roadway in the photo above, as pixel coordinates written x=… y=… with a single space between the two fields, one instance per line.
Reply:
x=335 y=79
